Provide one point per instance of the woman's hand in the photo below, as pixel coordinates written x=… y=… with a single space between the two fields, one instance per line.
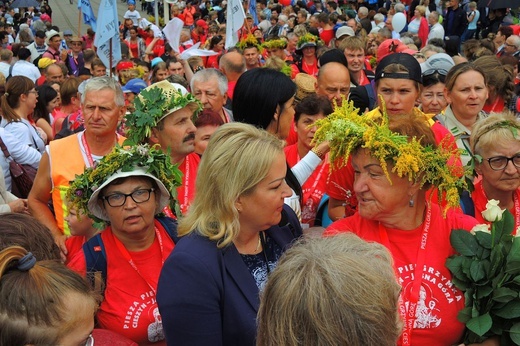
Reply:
x=60 y=241
x=19 y=206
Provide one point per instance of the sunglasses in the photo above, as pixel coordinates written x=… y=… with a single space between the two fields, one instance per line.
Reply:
x=432 y=71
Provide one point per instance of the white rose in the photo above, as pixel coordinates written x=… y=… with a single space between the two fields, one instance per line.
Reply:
x=493 y=212
x=480 y=228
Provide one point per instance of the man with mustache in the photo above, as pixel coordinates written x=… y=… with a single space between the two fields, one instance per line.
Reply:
x=174 y=131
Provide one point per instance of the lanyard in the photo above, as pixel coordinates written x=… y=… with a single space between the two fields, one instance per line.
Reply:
x=126 y=255
x=517 y=207
x=88 y=153
x=186 y=183
x=409 y=316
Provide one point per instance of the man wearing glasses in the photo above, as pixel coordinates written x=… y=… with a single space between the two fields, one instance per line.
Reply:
x=53 y=46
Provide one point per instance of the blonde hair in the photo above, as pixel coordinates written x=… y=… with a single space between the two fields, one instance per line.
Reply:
x=337 y=290
x=421 y=9
x=36 y=301
x=497 y=129
x=238 y=157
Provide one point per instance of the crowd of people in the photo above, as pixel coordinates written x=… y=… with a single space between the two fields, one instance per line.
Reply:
x=296 y=188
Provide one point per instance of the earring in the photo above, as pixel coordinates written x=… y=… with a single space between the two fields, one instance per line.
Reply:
x=411 y=202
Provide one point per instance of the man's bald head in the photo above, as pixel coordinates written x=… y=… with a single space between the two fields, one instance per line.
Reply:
x=333 y=82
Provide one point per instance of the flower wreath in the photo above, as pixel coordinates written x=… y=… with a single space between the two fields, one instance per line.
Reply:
x=308 y=38
x=126 y=159
x=151 y=106
x=280 y=43
x=347 y=130
x=250 y=41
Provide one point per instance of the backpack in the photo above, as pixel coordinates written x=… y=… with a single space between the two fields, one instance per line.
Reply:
x=95 y=255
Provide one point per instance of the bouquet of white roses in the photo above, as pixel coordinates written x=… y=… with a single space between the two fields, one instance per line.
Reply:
x=487 y=270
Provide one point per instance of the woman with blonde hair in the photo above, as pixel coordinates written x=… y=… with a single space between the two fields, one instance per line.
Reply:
x=360 y=295
x=43 y=303
x=495 y=144
x=419 y=24
x=236 y=230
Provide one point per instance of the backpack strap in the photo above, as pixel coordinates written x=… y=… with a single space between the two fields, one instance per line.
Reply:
x=95 y=258
x=466 y=203
x=372 y=101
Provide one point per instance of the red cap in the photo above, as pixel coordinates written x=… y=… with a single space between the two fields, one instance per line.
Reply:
x=388 y=47
x=124 y=65
x=201 y=23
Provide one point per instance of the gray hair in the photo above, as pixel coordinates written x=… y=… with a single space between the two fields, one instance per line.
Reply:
x=432 y=48
x=102 y=83
x=208 y=74
x=363 y=11
x=399 y=7
x=379 y=17
x=516 y=40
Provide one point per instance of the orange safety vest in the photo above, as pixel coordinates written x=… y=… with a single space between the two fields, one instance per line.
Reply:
x=66 y=160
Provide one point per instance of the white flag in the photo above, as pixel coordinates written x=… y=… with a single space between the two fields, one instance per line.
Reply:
x=172 y=31
x=235 y=20
x=107 y=29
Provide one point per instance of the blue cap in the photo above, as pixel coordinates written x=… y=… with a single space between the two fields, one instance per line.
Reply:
x=131 y=2
x=134 y=86
x=155 y=61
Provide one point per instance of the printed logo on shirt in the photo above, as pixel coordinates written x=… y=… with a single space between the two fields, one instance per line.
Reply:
x=143 y=311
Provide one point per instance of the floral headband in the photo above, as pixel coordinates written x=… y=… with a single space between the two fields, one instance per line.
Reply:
x=347 y=130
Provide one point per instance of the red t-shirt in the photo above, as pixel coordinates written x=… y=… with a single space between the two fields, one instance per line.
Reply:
x=314 y=187
x=436 y=316
x=327 y=35
x=480 y=200
x=74 y=245
x=130 y=307
x=186 y=192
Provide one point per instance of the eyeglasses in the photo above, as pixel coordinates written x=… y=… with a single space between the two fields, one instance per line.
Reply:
x=32 y=92
x=76 y=44
x=498 y=163
x=119 y=199
x=510 y=45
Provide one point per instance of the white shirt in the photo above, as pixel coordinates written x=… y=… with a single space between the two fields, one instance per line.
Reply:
x=25 y=68
x=36 y=51
x=133 y=15
x=436 y=31
x=4 y=68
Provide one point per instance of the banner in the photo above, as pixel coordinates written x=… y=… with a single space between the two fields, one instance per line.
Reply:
x=235 y=20
x=88 y=14
x=107 y=28
x=252 y=10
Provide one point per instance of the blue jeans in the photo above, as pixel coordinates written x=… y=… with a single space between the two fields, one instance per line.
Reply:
x=467 y=35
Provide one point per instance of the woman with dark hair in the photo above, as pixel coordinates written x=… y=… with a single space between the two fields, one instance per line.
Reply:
x=265 y=98
x=47 y=101
x=21 y=138
x=501 y=85
x=217 y=45
x=466 y=92
x=308 y=111
x=159 y=72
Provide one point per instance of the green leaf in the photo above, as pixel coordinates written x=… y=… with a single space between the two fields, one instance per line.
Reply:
x=513 y=267
x=464 y=242
x=464 y=315
x=516 y=280
x=480 y=325
x=477 y=271
x=455 y=264
x=514 y=333
x=484 y=291
x=497 y=260
x=504 y=295
x=484 y=239
x=510 y=310
x=514 y=254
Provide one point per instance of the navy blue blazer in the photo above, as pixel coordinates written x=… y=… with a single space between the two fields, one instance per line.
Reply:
x=207 y=296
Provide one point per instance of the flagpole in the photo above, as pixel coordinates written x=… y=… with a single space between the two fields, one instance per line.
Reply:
x=79 y=22
x=110 y=56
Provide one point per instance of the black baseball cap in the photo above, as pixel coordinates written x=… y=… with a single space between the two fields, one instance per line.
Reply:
x=404 y=59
